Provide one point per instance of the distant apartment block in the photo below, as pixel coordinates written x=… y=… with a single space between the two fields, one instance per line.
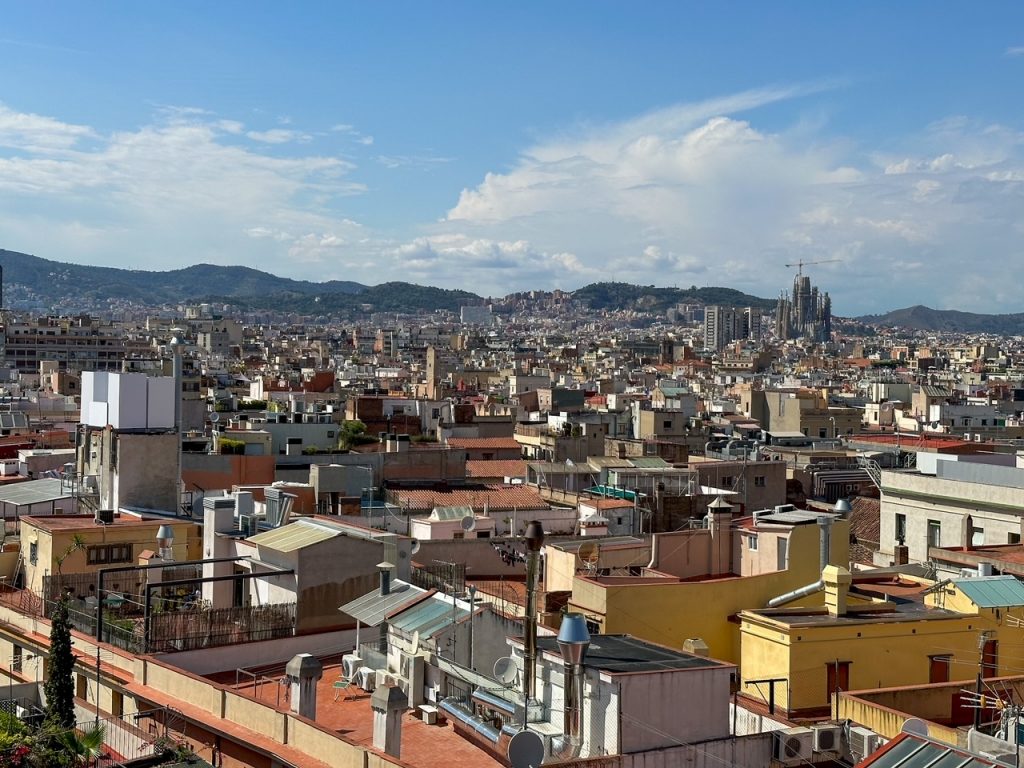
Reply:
x=479 y=315
x=80 y=343
x=723 y=325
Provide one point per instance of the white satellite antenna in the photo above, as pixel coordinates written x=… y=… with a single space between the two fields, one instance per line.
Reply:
x=214 y=417
x=505 y=670
x=415 y=645
x=589 y=554
x=468 y=523
x=526 y=750
x=414 y=546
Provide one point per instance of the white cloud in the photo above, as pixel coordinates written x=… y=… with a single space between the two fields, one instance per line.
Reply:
x=171 y=193
x=36 y=133
x=713 y=192
x=423 y=162
x=350 y=130
x=1015 y=50
x=693 y=193
x=279 y=136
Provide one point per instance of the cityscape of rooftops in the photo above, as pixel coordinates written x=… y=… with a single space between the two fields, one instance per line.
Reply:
x=562 y=384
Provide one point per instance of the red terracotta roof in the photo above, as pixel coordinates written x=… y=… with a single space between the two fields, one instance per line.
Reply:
x=483 y=442
x=865 y=528
x=498 y=468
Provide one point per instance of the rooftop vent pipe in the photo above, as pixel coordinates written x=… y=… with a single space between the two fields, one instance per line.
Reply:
x=573 y=641
x=824 y=548
x=534 y=541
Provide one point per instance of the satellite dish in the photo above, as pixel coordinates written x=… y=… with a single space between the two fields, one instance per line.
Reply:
x=505 y=670
x=468 y=523
x=414 y=546
x=526 y=750
x=589 y=553
x=214 y=417
x=915 y=726
x=415 y=646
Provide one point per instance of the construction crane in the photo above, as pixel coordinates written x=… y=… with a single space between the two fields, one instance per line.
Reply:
x=800 y=264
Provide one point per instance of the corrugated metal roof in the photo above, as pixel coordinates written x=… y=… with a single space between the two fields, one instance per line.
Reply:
x=428 y=617
x=992 y=591
x=911 y=751
x=294 y=536
x=649 y=462
x=599 y=462
x=34 y=492
x=372 y=608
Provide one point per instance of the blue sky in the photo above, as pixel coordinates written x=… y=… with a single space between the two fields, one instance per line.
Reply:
x=497 y=147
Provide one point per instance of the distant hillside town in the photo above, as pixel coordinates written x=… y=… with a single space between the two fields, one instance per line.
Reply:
x=626 y=526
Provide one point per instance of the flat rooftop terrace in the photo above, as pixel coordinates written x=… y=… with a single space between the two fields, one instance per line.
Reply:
x=423 y=745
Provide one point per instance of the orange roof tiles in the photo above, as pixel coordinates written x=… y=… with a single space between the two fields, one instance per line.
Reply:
x=483 y=442
x=498 y=468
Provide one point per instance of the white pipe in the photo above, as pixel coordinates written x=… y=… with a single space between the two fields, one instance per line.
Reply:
x=654 y=551
x=789 y=597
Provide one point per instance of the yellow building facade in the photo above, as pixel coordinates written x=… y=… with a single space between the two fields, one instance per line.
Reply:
x=77 y=544
x=814 y=652
x=668 y=611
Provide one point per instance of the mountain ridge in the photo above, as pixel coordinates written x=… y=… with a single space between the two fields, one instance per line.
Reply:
x=922 y=318
x=49 y=282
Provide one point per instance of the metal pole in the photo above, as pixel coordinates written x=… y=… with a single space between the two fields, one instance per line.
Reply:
x=96 y=723
x=534 y=541
x=177 y=370
x=472 y=605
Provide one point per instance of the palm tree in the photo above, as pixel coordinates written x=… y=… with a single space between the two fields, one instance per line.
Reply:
x=78 y=749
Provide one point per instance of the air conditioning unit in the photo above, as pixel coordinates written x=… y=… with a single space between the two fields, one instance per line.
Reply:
x=105 y=516
x=863 y=741
x=411 y=669
x=827 y=738
x=794 y=745
x=247 y=524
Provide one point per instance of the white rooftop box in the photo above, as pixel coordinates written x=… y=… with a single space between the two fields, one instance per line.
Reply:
x=127 y=400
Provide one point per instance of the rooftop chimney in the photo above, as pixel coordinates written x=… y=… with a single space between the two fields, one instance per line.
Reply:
x=534 y=541
x=165 y=541
x=303 y=671
x=837 y=587
x=385 y=577
x=573 y=641
x=388 y=703
x=720 y=526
